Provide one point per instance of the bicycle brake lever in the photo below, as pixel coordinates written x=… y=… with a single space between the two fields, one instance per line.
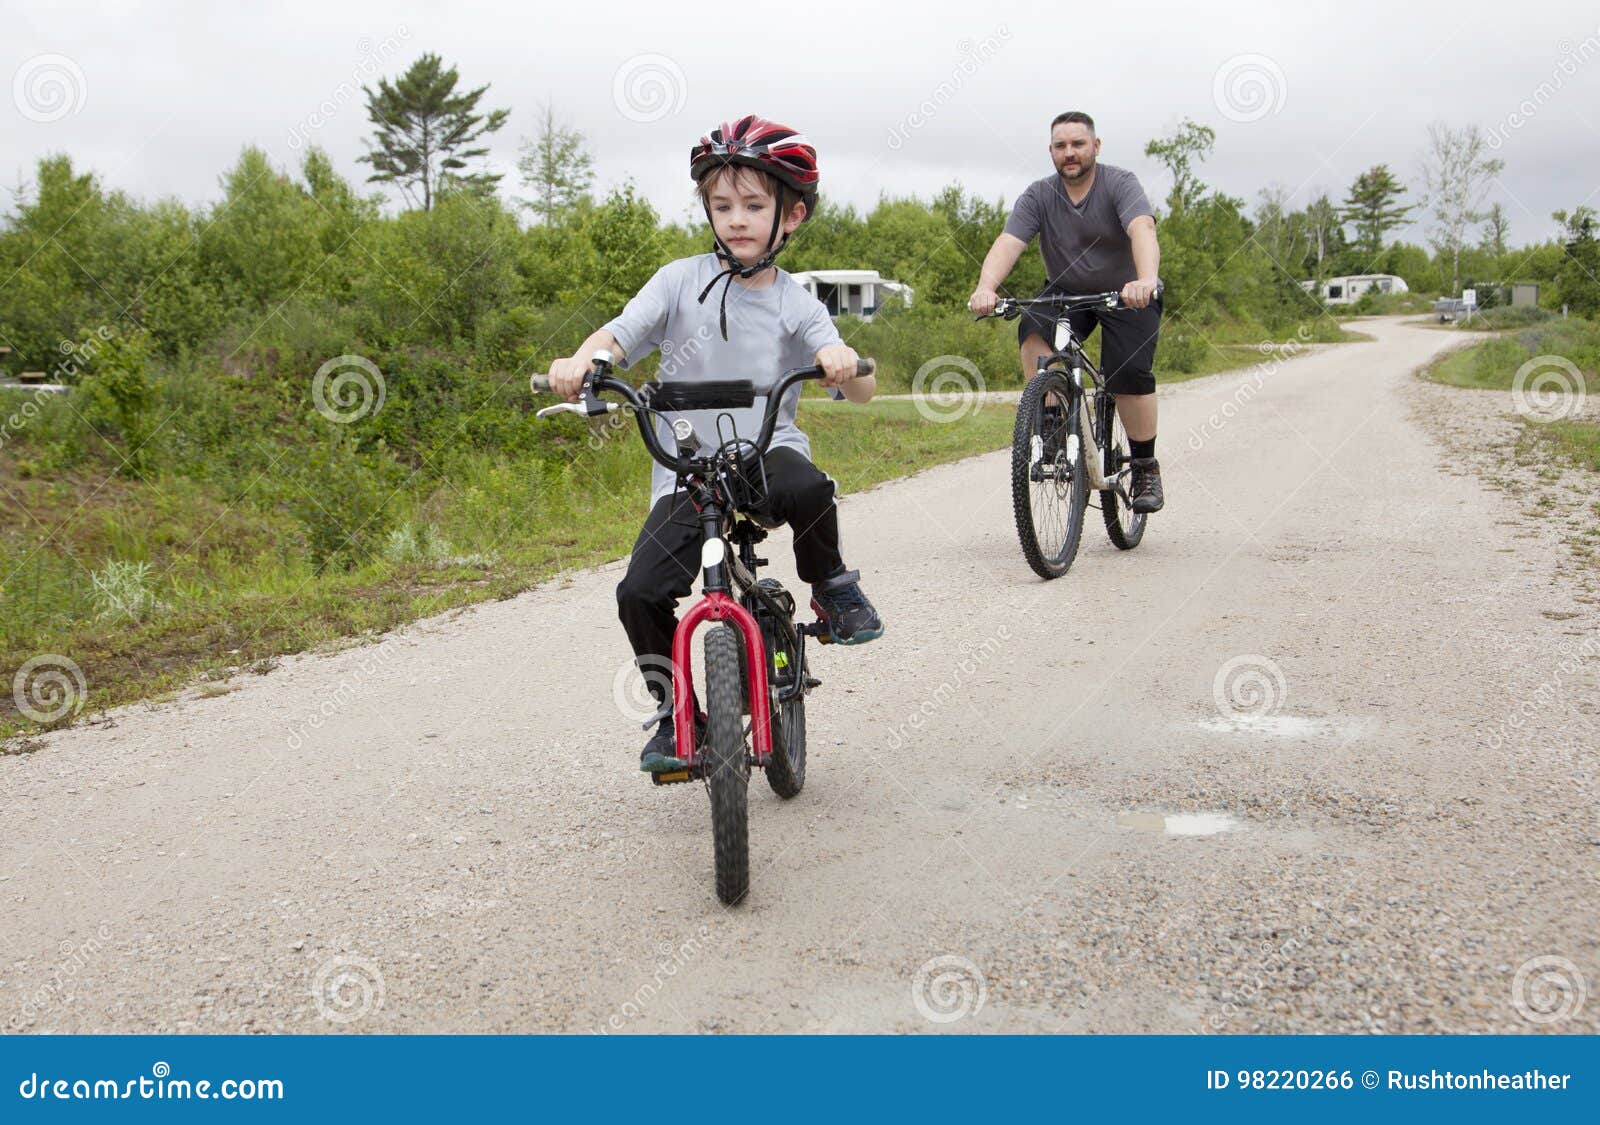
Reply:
x=584 y=408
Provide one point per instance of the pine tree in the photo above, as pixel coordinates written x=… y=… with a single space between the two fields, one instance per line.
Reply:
x=1374 y=207
x=558 y=168
x=424 y=127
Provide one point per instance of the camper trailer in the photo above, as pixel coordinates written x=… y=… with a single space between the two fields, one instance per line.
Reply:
x=1348 y=290
x=852 y=292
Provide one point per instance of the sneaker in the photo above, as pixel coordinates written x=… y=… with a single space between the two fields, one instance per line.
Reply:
x=660 y=754
x=850 y=618
x=1146 y=486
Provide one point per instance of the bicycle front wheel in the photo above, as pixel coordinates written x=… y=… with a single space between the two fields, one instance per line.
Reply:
x=1049 y=484
x=728 y=768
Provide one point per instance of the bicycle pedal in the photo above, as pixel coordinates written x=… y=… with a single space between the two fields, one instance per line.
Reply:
x=671 y=778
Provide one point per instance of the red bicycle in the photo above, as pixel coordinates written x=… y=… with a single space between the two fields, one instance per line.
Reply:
x=755 y=653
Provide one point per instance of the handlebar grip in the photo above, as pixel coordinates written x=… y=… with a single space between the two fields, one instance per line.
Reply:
x=865 y=366
x=539 y=384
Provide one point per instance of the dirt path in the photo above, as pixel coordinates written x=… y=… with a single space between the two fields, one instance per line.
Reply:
x=1327 y=636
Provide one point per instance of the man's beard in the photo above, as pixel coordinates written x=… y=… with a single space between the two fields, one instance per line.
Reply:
x=1084 y=168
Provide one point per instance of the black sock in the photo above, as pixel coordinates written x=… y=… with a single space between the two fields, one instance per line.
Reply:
x=1143 y=450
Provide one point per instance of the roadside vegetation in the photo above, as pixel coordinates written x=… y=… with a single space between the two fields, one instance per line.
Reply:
x=299 y=413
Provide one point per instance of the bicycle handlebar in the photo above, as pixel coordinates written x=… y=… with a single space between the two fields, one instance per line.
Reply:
x=600 y=380
x=1009 y=308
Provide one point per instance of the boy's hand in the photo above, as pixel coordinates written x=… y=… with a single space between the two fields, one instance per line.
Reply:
x=838 y=363
x=567 y=375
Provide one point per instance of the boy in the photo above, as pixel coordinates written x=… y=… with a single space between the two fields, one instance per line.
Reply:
x=758 y=182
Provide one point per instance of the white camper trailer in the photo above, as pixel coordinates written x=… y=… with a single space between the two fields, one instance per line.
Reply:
x=852 y=292
x=1348 y=290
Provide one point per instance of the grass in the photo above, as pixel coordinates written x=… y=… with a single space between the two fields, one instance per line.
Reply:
x=146 y=586
x=224 y=587
x=1539 y=348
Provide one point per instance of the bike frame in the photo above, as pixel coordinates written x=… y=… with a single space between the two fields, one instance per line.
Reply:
x=1072 y=360
x=722 y=569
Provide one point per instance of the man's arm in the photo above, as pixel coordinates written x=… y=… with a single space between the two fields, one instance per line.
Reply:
x=1146 y=263
x=997 y=266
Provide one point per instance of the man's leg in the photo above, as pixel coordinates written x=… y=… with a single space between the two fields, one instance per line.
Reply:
x=1033 y=349
x=1128 y=348
x=1138 y=414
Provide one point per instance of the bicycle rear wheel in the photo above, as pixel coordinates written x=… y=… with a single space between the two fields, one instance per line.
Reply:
x=1124 y=526
x=786 y=769
x=1049 y=485
x=727 y=768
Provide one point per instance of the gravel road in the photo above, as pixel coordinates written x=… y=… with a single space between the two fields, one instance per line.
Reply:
x=1318 y=756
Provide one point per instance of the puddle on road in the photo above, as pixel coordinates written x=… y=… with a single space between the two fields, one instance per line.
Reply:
x=1180 y=824
x=1286 y=726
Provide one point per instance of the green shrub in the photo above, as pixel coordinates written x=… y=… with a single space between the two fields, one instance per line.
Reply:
x=344 y=498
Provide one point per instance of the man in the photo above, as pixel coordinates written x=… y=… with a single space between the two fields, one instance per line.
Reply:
x=1097 y=234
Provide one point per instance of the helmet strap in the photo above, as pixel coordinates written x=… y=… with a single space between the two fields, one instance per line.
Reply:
x=733 y=267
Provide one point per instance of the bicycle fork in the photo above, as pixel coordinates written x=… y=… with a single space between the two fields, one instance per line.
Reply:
x=1080 y=442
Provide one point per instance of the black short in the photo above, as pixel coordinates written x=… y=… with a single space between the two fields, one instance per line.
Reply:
x=1127 y=341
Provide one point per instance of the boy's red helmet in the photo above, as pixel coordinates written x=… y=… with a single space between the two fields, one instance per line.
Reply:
x=764 y=145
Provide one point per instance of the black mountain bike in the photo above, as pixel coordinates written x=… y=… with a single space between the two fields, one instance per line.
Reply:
x=1067 y=442
x=755 y=652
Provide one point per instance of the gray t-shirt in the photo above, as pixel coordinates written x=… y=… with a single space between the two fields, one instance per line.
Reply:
x=770 y=331
x=1086 y=247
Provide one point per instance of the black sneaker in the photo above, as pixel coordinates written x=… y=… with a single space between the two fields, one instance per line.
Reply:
x=1146 y=487
x=660 y=754
x=850 y=618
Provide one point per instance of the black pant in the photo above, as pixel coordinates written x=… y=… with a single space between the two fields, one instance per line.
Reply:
x=666 y=556
x=1127 y=340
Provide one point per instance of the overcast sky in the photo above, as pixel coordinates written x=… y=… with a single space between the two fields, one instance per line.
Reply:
x=158 y=99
